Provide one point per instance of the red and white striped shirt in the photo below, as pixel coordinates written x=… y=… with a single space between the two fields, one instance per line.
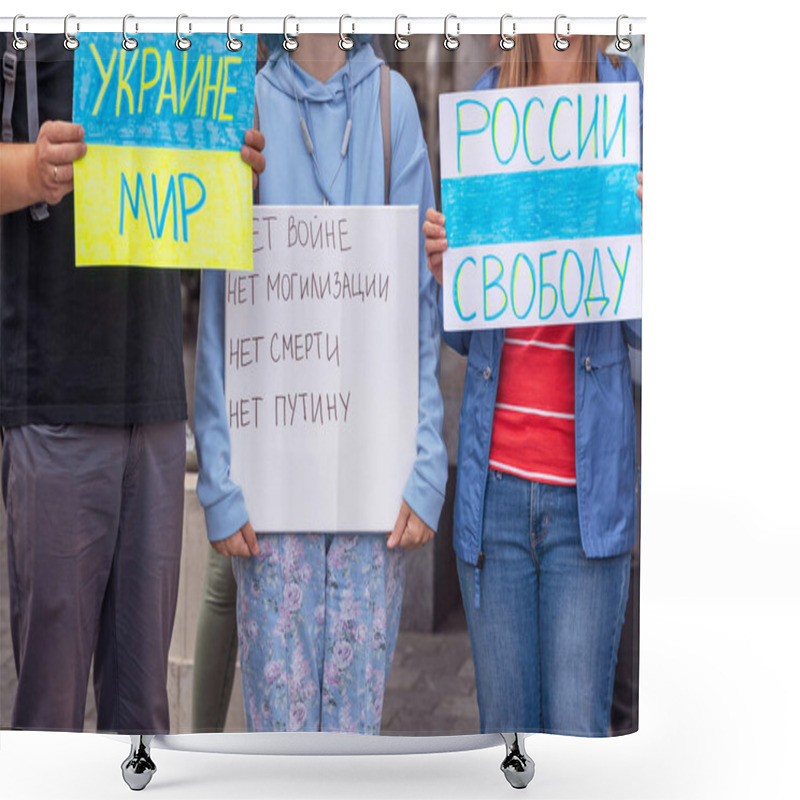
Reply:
x=533 y=434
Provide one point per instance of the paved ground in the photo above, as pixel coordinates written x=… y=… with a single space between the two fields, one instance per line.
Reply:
x=431 y=688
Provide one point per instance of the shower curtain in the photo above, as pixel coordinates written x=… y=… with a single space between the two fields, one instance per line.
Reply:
x=408 y=382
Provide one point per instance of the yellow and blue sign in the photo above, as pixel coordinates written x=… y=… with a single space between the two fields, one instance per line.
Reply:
x=162 y=183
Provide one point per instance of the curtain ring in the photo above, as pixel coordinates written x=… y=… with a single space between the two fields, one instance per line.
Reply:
x=345 y=42
x=623 y=45
x=560 y=43
x=507 y=42
x=401 y=42
x=19 y=43
x=233 y=44
x=451 y=42
x=70 y=42
x=290 y=43
x=128 y=42
x=181 y=42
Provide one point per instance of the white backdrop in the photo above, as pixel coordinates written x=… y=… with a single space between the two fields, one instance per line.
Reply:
x=720 y=610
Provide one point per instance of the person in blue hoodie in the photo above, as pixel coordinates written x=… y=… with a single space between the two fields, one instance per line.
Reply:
x=318 y=614
x=545 y=509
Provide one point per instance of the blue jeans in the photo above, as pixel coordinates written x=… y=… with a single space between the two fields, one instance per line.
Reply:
x=545 y=635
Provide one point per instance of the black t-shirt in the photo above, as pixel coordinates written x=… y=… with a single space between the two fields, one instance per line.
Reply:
x=91 y=345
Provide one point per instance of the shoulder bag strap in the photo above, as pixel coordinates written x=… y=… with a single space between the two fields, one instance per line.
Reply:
x=386 y=127
x=10 y=81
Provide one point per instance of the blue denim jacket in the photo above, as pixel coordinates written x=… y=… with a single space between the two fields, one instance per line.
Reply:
x=605 y=436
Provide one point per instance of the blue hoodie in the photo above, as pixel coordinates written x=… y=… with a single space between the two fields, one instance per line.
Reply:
x=290 y=179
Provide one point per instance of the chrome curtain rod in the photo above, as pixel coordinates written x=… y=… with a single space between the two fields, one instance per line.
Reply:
x=294 y=25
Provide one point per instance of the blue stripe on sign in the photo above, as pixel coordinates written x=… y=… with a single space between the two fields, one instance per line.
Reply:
x=576 y=203
x=158 y=96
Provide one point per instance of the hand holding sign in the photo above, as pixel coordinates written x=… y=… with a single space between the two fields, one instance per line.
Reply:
x=57 y=146
x=241 y=544
x=252 y=153
x=435 y=241
x=409 y=532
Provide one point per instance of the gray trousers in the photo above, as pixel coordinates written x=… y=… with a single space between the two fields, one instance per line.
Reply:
x=95 y=516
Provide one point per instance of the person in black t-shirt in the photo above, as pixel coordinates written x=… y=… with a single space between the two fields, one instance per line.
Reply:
x=92 y=413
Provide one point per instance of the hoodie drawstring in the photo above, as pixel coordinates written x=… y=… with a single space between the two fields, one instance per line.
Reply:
x=347 y=82
x=308 y=137
x=317 y=176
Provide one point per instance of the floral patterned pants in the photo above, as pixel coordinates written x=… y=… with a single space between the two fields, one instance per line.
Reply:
x=318 y=616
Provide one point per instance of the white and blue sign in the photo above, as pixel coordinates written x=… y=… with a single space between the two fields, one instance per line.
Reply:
x=539 y=195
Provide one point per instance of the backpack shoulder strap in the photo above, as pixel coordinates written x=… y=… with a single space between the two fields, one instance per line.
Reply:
x=38 y=211
x=9 y=84
x=386 y=127
x=10 y=63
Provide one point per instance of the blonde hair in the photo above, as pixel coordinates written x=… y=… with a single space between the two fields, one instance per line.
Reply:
x=520 y=66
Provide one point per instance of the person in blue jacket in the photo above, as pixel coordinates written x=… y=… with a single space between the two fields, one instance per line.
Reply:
x=544 y=551
x=318 y=614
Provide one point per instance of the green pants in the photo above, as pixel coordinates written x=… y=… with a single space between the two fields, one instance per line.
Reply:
x=215 y=647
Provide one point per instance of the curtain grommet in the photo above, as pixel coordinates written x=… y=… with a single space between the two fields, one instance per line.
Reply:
x=128 y=42
x=401 y=42
x=560 y=43
x=345 y=42
x=19 y=42
x=507 y=42
x=70 y=41
x=182 y=42
x=622 y=44
x=451 y=41
x=233 y=44
x=290 y=43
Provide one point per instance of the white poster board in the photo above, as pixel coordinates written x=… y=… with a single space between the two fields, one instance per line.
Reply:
x=539 y=196
x=321 y=367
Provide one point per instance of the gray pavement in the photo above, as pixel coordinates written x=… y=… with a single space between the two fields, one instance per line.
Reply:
x=431 y=688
